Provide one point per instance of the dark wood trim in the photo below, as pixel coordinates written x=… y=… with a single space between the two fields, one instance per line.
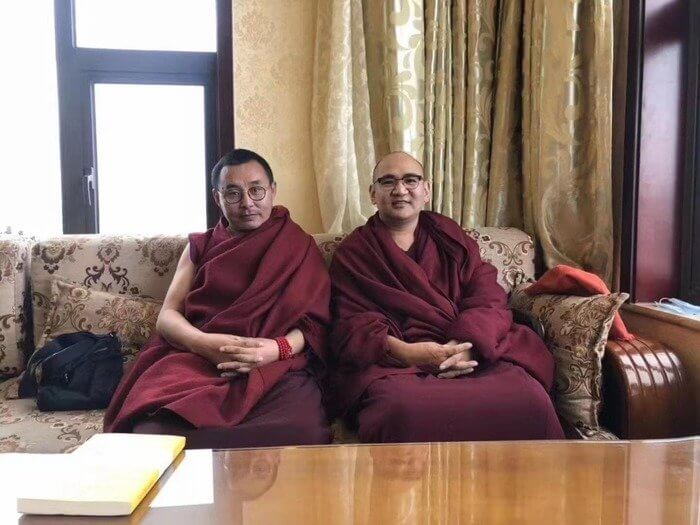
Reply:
x=133 y=61
x=633 y=117
x=225 y=139
x=78 y=216
x=690 y=247
x=224 y=76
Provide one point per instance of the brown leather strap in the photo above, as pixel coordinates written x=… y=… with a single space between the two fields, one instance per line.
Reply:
x=645 y=391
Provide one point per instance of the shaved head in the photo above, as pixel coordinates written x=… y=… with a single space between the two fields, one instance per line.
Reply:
x=389 y=160
x=398 y=188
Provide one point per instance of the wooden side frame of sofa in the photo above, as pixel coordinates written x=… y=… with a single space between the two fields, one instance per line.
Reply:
x=646 y=391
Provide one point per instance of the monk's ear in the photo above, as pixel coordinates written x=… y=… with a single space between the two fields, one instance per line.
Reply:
x=371 y=193
x=427 y=191
x=216 y=196
x=273 y=189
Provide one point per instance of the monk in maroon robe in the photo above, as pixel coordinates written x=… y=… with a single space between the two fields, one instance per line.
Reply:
x=242 y=330
x=424 y=343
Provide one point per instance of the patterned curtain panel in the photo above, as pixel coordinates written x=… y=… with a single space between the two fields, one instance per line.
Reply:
x=473 y=89
x=395 y=61
x=567 y=131
x=367 y=101
x=518 y=126
x=341 y=130
x=508 y=102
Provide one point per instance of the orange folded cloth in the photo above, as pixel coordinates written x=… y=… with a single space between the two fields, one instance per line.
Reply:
x=564 y=279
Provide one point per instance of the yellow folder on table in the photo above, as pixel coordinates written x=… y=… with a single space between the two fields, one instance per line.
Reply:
x=108 y=475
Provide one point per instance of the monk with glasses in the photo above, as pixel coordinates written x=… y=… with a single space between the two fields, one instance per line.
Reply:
x=423 y=343
x=242 y=331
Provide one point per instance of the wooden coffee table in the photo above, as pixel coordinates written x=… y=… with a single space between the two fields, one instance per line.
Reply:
x=634 y=482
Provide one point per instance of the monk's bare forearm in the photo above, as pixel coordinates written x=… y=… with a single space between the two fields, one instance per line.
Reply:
x=399 y=349
x=178 y=331
x=296 y=340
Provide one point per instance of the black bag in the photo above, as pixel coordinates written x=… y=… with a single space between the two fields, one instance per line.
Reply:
x=78 y=371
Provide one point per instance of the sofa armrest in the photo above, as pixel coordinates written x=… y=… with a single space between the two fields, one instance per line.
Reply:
x=645 y=391
x=15 y=315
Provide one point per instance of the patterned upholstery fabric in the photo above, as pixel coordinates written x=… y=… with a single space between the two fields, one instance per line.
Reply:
x=140 y=266
x=23 y=428
x=76 y=308
x=143 y=266
x=14 y=289
x=510 y=250
x=576 y=331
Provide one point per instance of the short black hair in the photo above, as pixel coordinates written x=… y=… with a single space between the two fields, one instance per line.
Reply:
x=237 y=157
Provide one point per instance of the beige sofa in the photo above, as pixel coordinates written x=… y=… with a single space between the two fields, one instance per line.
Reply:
x=144 y=266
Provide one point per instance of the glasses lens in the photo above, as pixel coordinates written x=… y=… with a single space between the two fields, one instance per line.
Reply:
x=411 y=182
x=232 y=196
x=256 y=193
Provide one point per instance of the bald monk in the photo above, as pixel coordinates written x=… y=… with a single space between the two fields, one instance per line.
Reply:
x=424 y=343
x=242 y=330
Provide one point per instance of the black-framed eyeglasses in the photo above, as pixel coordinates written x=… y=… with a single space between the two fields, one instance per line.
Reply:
x=235 y=195
x=389 y=182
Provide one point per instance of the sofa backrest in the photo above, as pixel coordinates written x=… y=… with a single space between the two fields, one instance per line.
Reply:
x=144 y=266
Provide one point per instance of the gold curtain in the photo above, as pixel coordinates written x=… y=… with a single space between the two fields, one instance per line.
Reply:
x=567 y=131
x=509 y=102
x=518 y=122
x=367 y=100
x=472 y=92
x=341 y=131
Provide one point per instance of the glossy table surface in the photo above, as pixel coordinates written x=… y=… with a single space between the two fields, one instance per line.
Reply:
x=498 y=482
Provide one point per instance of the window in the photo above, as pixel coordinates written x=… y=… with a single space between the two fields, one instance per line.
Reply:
x=145 y=107
x=155 y=25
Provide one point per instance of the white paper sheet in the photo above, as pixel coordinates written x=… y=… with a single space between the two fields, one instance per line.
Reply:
x=191 y=483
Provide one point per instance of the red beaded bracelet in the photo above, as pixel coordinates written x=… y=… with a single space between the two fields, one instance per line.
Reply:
x=285 y=348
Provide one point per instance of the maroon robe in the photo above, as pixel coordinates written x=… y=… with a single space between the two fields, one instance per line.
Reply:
x=438 y=291
x=259 y=284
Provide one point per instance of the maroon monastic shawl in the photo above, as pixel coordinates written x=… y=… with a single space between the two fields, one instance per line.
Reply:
x=446 y=293
x=260 y=284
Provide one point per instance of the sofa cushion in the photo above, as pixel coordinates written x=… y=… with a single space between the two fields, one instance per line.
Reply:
x=14 y=273
x=124 y=265
x=510 y=251
x=576 y=331
x=76 y=308
x=23 y=428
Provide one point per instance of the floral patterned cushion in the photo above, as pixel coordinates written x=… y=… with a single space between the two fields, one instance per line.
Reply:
x=76 y=308
x=14 y=282
x=576 y=331
x=123 y=265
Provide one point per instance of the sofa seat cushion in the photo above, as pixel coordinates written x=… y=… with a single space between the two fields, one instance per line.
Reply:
x=24 y=428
